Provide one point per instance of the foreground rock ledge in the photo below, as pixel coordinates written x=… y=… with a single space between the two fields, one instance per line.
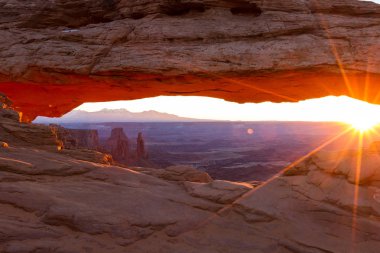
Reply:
x=243 y=51
x=56 y=201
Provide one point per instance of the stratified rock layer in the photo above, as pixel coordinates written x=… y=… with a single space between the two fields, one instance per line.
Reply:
x=59 y=54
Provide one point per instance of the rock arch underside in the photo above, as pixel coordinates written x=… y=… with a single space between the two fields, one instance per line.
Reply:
x=59 y=54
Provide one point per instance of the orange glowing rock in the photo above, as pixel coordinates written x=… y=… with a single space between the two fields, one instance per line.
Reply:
x=52 y=99
x=4 y=145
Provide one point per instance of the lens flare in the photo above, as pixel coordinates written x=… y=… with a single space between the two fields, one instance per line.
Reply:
x=364 y=124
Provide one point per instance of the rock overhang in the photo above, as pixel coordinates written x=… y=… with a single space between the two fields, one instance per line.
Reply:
x=56 y=57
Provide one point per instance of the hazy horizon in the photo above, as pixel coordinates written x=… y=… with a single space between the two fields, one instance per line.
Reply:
x=327 y=109
x=74 y=117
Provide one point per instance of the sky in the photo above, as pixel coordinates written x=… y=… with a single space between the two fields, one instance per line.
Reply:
x=340 y=109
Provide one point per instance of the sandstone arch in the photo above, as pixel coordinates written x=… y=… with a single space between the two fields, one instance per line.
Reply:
x=59 y=54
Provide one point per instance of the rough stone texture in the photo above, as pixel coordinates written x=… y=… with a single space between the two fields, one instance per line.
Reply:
x=179 y=173
x=257 y=50
x=370 y=162
x=220 y=191
x=10 y=114
x=89 y=155
x=51 y=201
x=12 y=131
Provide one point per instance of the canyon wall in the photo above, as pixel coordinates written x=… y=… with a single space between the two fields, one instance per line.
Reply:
x=77 y=138
x=243 y=51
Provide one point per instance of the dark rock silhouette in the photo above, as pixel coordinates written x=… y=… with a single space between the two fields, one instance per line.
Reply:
x=118 y=145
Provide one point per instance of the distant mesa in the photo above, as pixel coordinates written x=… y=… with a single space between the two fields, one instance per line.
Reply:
x=115 y=115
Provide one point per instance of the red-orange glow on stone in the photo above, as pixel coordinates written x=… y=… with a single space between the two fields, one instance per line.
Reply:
x=54 y=94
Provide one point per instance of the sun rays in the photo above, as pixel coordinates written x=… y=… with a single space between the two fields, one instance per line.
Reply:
x=362 y=124
x=358 y=169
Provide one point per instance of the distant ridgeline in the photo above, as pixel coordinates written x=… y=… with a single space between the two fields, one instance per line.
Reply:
x=113 y=115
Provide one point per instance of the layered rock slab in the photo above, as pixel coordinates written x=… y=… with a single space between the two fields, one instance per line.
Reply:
x=53 y=201
x=243 y=51
x=104 y=208
x=311 y=212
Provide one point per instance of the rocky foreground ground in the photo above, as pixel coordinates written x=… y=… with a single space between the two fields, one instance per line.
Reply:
x=57 y=200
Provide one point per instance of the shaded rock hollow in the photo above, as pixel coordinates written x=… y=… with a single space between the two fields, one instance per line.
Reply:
x=243 y=51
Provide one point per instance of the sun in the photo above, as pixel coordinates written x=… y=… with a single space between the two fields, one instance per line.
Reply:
x=363 y=125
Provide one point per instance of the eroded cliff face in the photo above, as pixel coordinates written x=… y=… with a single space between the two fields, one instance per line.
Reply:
x=244 y=51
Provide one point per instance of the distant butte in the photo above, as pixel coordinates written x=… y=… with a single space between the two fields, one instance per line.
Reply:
x=243 y=51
